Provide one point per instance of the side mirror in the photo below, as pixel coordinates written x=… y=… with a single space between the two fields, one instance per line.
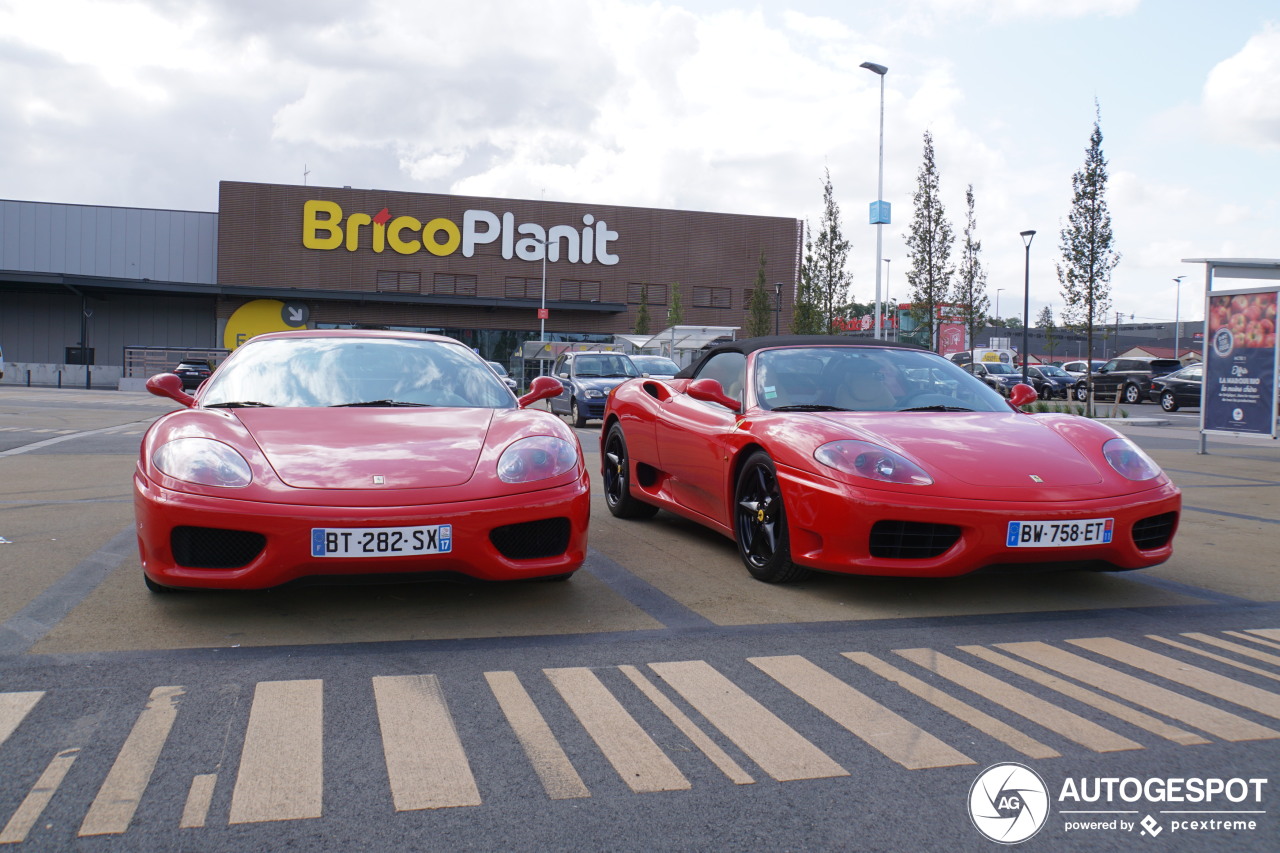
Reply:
x=542 y=388
x=1021 y=395
x=711 y=391
x=170 y=385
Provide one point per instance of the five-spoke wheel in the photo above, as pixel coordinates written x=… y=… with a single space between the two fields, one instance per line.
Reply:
x=760 y=523
x=617 y=479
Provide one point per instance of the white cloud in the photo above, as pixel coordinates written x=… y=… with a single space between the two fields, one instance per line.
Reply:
x=1242 y=94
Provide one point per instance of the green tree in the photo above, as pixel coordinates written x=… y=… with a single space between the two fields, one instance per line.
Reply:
x=675 y=310
x=806 y=316
x=824 y=277
x=642 y=313
x=970 y=297
x=1088 y=257
x=760 y=310
x=1045 y=321
x=929 y=249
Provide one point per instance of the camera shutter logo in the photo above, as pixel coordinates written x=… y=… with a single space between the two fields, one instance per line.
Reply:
x=1008 y=803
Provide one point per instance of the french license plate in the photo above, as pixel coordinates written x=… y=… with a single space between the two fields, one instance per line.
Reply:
x=1060 y=534
x=381 y=541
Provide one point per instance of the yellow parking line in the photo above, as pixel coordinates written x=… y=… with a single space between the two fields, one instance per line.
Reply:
x=980 y=720
x=638 y=760
x=122 y=790
x=709 y=748
x=559 y=779
x=426 y=763
x=1070 y=725
x=1193 y=712
x=780 y=750
x=281 y=774
x=1088 y=697
x=1245 y=695
x=14 y=707
x=33 y=805
x=881 y=728
x=1205 y=653
x=199 y=797
x=1265 y=657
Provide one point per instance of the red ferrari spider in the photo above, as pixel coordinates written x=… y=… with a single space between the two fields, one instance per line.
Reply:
x=356 y=453
x=865 y=457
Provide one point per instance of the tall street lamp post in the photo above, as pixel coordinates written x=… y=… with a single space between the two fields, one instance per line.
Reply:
x=888 y=301
x=1026 y=302
x=879 y=209
x=998 y=289
x=1177 y=320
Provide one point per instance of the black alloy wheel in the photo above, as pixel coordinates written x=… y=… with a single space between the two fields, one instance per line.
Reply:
x=617 y=479
x=760 y=523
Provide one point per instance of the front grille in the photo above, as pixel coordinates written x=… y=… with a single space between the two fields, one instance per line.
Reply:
x=912 y=540
x=1154 y=532
x=213 y=548
x=532 y=540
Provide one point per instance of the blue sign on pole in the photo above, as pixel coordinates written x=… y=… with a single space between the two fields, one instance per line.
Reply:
x=880 y=212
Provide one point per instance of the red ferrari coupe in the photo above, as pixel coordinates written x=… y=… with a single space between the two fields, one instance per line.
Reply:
x=858 y=456
x=356 y=453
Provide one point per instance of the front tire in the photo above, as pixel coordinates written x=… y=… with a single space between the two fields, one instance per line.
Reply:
x=1082 y=394
x=1168 y=402
x=155 y=588
x=617 y=479
x=760 y=523
x=1132 y=395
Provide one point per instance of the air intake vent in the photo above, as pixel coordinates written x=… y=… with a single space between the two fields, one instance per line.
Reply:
x=1154 y=532
x=912 y=540
x=532 y=540
x=214 y=548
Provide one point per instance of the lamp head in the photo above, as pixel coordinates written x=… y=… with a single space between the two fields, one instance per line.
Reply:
x=1026 y=237
x=871 y=66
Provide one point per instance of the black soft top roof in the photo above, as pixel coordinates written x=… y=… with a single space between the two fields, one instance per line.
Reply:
x=750 y=345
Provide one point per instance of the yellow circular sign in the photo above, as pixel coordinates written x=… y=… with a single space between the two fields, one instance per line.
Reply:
x=257 y=318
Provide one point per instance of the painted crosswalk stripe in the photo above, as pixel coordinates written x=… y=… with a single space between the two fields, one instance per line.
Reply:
x=199 y=797
x=700 y=739
x=1265 y=657
x=1116 y=709
x=944 y=701
x=126 y=782
x=1193 y=712
x=1070 y=725
x=1244 y=695
x=426 y=762
x=1250 y=635
x=559 y=779
x=281 y=775
x=1214 y=656
x=14 y=708
x=639 y=761
x=33 y=805
x=778 y=749
x=879 y=727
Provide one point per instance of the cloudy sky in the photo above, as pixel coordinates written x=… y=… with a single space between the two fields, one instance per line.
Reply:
x=715 y=105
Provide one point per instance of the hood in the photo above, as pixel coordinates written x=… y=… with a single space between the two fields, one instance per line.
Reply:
x=348 y=448
x=601 y=383
x=982 y=449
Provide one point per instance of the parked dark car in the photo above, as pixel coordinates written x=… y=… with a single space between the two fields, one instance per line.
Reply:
x=192 y=372
x=1131 y=377
x=586 y=379
x=997 y=374
x=1050 y=381
x=1180 y=388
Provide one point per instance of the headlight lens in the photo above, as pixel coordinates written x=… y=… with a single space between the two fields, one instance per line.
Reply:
x=594 y=392
x=1129 y=460
x=871 y=461
x=539 y=457
x=203 y=461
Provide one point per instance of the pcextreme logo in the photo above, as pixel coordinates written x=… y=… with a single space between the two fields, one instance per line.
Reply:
x=325 y=227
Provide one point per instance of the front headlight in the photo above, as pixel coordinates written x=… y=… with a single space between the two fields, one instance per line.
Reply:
x=871 y=461
x=539 y=457
x=1129 y=460
x=203 y=461
x=594 y=392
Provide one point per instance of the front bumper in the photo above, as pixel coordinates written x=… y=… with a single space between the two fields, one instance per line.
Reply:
x=284 y=531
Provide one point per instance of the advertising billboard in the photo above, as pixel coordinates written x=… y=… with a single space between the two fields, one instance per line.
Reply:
x=1240 y=363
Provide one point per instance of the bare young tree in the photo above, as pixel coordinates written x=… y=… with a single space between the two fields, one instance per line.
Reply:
x=970 y=297
x=824 y=278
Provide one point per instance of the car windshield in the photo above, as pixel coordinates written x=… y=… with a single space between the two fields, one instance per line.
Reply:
x=1054 y=370
x=655 y=364
x=867 y=379
x=346 y=371
x=604 y=365
x=1000 y=367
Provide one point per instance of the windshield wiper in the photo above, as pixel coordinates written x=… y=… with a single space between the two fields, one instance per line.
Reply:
x=378 y=403
x=937 y=409
x=240 y=404
x=809 y=407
